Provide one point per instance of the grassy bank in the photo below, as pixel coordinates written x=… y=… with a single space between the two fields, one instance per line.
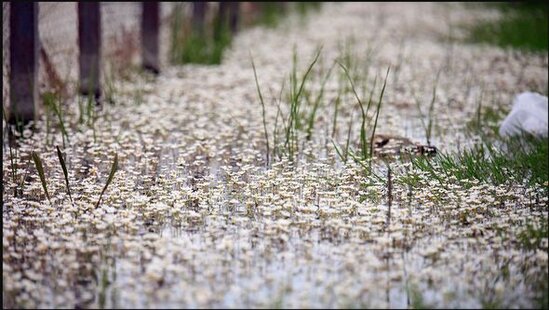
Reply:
x=523 y=25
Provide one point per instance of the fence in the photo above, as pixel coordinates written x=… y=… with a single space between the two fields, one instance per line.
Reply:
x=68 y=47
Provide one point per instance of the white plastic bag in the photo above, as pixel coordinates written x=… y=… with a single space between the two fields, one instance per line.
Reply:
x=529 y=114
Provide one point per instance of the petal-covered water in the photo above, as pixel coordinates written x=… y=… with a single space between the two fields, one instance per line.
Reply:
x=195 y=217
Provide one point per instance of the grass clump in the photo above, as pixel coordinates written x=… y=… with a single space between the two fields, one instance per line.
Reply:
x=316 y=103
x=207 y=46
x=366 y=148
x=303 y=105
x=202 y=47
x=40 y=169
x=202 y=50
x=270 y=13
x=496 y=160
x=295 y=119
x=523 y=26
x=517 y=158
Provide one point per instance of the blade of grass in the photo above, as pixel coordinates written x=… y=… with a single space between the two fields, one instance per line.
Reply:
x=366 y=168
x=362 y=129
x=294 y=124
x=40 y=169
x=364 y=113
x=348 y=138
x=377 y=112
x=65 y=172
x=109 y=180
x=317 y=101
x=336 y=106
x=22 y=180
x=295 y=99
x=50 y=100
x=262 y=110
x=431 y=108
x=278 y=114
x=338 y=151
x=418 y=106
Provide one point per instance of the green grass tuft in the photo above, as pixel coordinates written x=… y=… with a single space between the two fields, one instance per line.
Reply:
x=295 y=117
x=520 y=158
x=270 y=13
x=202 y=50
x=191 y=47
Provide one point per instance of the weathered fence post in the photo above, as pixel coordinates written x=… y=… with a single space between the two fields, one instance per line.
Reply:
x=222 y=18
x=199 y=15
x=24 y=48
x=234 y=10
x=89 y=43
x=149 y=36
x=227 y=18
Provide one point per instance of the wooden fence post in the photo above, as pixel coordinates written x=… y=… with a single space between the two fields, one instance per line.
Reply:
x=234 y=12
x=24 y=48
x=149 y=36
x=199 y=15
x=89 y=43
x=222 y=18
x=227 y=16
